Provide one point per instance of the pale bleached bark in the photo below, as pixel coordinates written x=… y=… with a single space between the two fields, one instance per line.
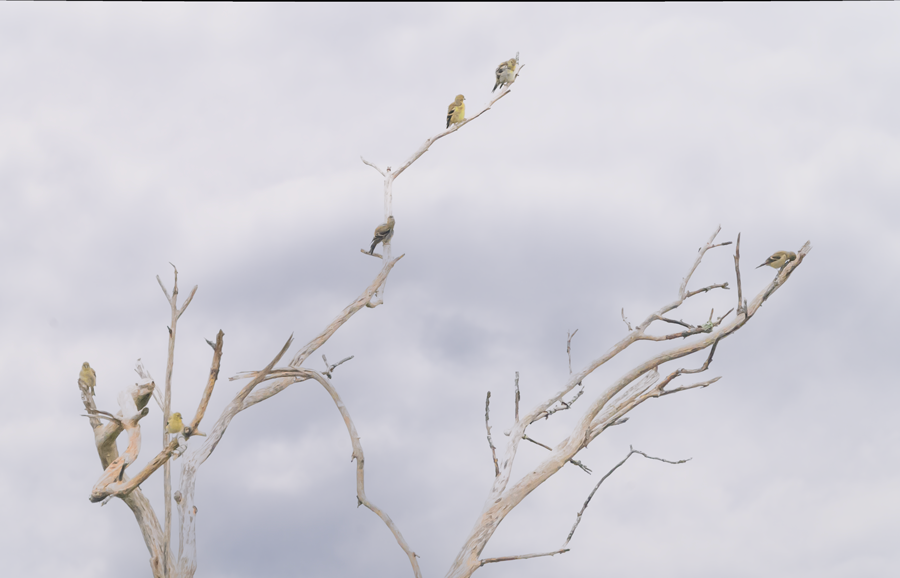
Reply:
x=609 y=405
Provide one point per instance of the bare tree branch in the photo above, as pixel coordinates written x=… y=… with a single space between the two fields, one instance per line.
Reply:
x=716 y=286
x=330 y=368
x=487 y=413
x=546 y=447
x=742 y=305
x=521 y=557
x=517 y=397
x=207 y=391
x=569 y=347
x=609 y=473
x=605 y=409
x=625 y=319
x=360 y=472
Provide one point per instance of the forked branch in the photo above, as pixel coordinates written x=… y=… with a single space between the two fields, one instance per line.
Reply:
x=603 y=479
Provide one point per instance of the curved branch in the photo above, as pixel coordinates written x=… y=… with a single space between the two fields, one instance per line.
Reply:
x=360 y=471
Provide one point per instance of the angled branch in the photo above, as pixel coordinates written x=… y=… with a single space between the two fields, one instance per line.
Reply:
x=546 y=447
x=360 y=472
x=453 y=128
x=381 y=172
x=609 y=473
x=308 y=349
x=207 y=391
x=484 y=561
x=715 y=286
x=330 y=368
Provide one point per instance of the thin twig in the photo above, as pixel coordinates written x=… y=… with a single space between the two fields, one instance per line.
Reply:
x=609 y=473
x=371 y=165
x=487 y=413
x=742 y=307
x=569 y=348
x=330 y=368
x=364 y=252
x=625 y=319
x=517 y=397
x=563 y=405
x=572 y=461
x=705 y=289
x=484 y=561
x=706 y=328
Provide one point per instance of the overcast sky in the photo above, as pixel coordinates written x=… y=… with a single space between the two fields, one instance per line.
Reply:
x=226 y=139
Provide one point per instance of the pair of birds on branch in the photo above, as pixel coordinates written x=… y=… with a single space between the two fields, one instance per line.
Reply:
x=505 y=75
x=89 y=378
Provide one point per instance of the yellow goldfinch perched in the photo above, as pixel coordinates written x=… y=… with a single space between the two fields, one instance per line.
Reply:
x=506 y=73
x=456 y=112
x=779 y=259
x=88 y=376
x=383 y=233
x=175 y=425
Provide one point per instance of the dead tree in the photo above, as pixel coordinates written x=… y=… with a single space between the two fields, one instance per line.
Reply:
x=607 y=406
x=115 y=481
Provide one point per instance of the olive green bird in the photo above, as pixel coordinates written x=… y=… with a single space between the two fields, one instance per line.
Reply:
x=779 y=259
x=456 y=112
x=88 y=376
x=505 y=73
x=383 y=233
x=175 y=425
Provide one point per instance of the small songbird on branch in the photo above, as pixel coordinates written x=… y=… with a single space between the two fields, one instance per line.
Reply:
x=383 y=233
x=779 y=259
x=175 y=425
x=456 y=112
x=88 y=376
x=506 y=74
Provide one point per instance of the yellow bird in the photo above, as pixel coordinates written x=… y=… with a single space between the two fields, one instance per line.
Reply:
x=506 y=73
x=175 y=425
x=88 y=376
x=456 y=112
x=383 y=233
x=779 y=259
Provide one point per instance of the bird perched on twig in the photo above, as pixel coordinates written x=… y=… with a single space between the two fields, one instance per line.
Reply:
x=175 y=425
x=506 y=73
x=779 y=259
x=383 y=233
x=88 y=376
x=456 y=112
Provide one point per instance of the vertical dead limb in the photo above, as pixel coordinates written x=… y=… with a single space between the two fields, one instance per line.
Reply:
x=487 y=426
x=742 y=305
x=167 y=405
x=569 y=346
x=517 y=397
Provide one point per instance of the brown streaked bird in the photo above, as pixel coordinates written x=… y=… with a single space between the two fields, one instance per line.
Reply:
x=779 y=259
x=88 y=376
x=505 y=73
x=456 y=112
x=383 y=233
